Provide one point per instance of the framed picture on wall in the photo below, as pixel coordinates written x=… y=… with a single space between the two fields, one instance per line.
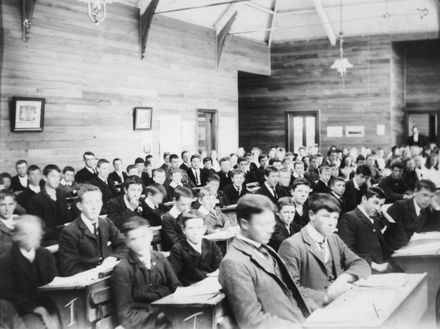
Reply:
x=142 y=117
x=27 y=114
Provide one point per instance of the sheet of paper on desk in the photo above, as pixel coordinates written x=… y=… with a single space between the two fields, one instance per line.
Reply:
x=230 y=232
x=389 y=280
x=208 y=286
x=426 y=236
x=430 y=248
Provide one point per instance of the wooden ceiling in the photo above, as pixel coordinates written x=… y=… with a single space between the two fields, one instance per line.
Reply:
x=282 y=20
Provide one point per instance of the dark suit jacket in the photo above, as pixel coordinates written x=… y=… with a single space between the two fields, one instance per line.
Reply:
x=203 y=177
x=225 y=179
x=321 y=187
x=281 y=233
x=407 y=223
x=134 y=288
x=106 y=189
x=352 y=196
x=257 y=295
x=53 y=213
x=118 y=212
x=84 y=176
x=5 y=238
x=282 y=191
x=16 y=185
x=263 y=190
x=231 y=194
x=306 y=264
x=189 y=265
x=171 y=231
x=394 y=188
x=152 y=215
x=299 y=221
x=312 y=175
x=422 y=141
x=20 y=279
x=24 y=197
x=341 y=202
x=117 y=183
x=363 y=237
x=80 y=249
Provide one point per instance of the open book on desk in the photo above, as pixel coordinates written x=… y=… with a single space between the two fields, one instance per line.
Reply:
x=81 y=279
x=208 y=286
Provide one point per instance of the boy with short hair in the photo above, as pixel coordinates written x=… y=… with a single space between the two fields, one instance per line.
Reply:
x=7 y=219
x=337 y=189
x=142 y=277
x=318 y=259
x=102 y=182
x=214 y=218
x=89 y=240
x=34 y=180
x=171 y=230
x=25 y=267
x=271 y=176
x=152 y=205
x=300 y=191
x=50 y=205
x=233 y=192
x=194 y=257
x=321 y=186
x=20 y=181
x=284 y=227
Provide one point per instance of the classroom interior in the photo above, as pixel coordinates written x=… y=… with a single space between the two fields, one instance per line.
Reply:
x=150 y=77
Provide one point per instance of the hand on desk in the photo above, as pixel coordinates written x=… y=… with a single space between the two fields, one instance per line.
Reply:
x=109 y=261
x=337 y=288
x=50 y=321
x=380 y=268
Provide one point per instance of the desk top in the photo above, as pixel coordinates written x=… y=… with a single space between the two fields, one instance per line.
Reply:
x=369 y=304
x=204 y=293
x=421 y=244
x=222 y=235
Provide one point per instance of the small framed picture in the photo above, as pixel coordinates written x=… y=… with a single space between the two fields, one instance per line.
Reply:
x=27 y=114
x=142 y=118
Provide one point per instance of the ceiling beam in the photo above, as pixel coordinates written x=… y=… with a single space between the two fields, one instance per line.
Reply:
x=325 y=21
x=226 y=15
x=260 y=7
x=145 y=19
x=271 y=23
x=27 y=12
x=201 y=6
x=222 y=35
x=310 y=10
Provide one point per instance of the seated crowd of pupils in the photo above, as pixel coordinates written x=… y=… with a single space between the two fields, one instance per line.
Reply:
x=286 y=204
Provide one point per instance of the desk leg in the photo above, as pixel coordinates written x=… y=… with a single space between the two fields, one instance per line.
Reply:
x=71 y=308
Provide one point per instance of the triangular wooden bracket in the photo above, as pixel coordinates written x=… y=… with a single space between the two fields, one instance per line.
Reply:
x=144 y=25
x=222 y=36
x=27 y=12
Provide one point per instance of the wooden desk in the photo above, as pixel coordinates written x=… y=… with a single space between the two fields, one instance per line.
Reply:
x=82 y=302
x=422 y=255
x=196 y=312
x=223 y=238
x=230 y=212
x=398 y=306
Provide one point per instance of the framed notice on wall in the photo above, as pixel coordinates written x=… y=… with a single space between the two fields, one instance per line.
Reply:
x=142 y=118
x=335 y=131
x=354 y=131
x=27 y=114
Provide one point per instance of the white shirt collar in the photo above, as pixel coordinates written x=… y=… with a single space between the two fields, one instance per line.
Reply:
x=356 y=185
x=196 y=247
x=203 y=210
x=252 y=242
x=418 y=209
x=314 y=234
x=174 y=212
x=365 y=213
x=271 y=189
x=29 y=255
x=174 y=185
x=90 y=169
x=35 y=189
x=89 y=223
x=9 y=223
x=150 y=203
x=64 y=183
x=238 y=189
x=23 y=180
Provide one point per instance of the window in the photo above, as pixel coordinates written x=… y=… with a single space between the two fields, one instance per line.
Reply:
x=207 y=130
x=302 y=130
